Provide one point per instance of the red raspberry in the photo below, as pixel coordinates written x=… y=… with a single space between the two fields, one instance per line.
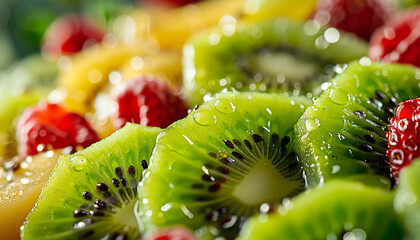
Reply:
x=147 y=102
x=49 y=126
x=360 y=17
x=398 y=40
x=70 y=34
x=404 y=136
x=174 y=233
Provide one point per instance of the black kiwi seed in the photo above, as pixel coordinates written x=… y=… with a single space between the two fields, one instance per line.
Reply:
x=285 y=140
x=131 y=170
x=87 y=195
x=144 y=164
x=380 y=94
x=99 y=205
x=115 y=182
x=248 y=144
x=228 y=165
x=229 y=144
x=80 y=213
x=119 y=172
x=102 y=187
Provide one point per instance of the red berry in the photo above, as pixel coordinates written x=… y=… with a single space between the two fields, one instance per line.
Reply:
x=360 y=17
x=398 y=40
x=175 y=233
x=176 y=3
x=49 y=126
x=404 y=136
x=70 y=34
x=147 y=102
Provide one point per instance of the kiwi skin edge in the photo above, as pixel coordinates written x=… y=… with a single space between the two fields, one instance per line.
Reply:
x=342 y=135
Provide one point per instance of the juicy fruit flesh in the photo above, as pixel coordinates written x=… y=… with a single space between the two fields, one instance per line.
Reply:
x=403 y=137
x=343 y=134
x=97 y=188
x=49 y=126
x=360 y=17
x=261 y=184
x=20 y=189
x=398 y=40
x=208 y=157
x=148 y=102
x=315 y=48
x=338 y=210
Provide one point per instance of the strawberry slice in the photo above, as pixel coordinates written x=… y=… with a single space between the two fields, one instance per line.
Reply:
x=49 y=126
x=404 y=136
x=398 y=40
x=149 y=102
x=360 y=17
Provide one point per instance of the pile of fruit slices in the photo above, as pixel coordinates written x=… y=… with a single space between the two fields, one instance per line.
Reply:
x=292 y=123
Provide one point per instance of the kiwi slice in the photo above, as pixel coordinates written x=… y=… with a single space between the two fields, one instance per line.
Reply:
x=219 y=164
x=92 y=194
x=338 y=210
x=343 y=133
x=274 y=55
x=406 y=202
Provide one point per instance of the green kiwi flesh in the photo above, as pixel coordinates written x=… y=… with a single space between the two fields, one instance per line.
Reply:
x=92 y=194
x=276 y=55
x=219 y=164
x=337 y=210
x=407 y=197
x=343 y=135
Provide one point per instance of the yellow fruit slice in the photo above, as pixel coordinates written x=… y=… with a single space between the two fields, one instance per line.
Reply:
x=20 y=189
x=172 y=27
x=90 y=71
x=165 y=65
x=257 y=10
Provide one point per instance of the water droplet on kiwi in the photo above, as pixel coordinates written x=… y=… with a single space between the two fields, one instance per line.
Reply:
x=204 y=118
x=312 y=124
x=339 y=96
x=224 y=105
x=78 y=162
x=335 y=169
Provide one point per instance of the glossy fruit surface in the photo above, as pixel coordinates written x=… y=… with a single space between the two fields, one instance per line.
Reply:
x=398 y=40
x=404 y=135
x=148 y=102
x=49 y=126
x=360 y=17
x=70 y=34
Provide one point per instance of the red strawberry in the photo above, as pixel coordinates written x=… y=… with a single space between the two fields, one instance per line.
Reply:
x=174 y=233
x=49 y=126
x=398 y=40
x=404 y=136
x=360 y=17
x=70 y=34
x=147 y=102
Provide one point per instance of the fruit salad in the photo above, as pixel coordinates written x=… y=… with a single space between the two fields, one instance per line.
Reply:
x=211 y=119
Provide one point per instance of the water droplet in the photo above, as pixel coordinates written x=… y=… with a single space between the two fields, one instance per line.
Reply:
x=224 y=105
x=365 y=61
x=331 y=35
x=339 y=96
x=78 y=162
x=312 y=124
x=204 y=118
x=335 y=169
